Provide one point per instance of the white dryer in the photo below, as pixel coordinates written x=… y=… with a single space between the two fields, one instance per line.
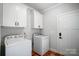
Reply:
x=17 y=45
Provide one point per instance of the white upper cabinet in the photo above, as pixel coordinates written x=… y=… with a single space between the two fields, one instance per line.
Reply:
x=14 y=15
x=38 y=20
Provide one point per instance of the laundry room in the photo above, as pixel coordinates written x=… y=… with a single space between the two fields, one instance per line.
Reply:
x=39 y=29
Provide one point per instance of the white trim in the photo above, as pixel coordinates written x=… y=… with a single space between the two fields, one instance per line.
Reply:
x=69 y=12
x=47 y=9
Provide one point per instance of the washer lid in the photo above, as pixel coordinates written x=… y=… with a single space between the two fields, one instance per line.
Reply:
x=9 y=40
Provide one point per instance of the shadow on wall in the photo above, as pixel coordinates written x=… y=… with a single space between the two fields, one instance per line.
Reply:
x=0 y=51
x=0 y=40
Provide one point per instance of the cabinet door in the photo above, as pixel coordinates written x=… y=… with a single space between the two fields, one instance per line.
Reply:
x=14 y=15
x=38 y=19
x=9 y=13
x=21 y=16
x=35 y=19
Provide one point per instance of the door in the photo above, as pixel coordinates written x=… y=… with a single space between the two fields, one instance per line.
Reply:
x=68 y=33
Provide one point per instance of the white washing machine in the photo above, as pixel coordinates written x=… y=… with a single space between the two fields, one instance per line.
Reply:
x=41 y=44
x=17 y=45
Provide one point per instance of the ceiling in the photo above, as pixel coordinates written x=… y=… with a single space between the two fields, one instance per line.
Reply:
x=41 y=6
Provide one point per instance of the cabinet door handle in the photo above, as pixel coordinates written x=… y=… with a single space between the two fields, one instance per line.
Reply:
x=16 y=23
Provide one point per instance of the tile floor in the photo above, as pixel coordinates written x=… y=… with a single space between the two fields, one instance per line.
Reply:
x=49 y=53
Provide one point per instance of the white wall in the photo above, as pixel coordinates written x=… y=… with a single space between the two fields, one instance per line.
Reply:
x=50 y=21
x=1 y=14
x=50 y=28
x=1 y=17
